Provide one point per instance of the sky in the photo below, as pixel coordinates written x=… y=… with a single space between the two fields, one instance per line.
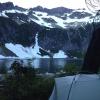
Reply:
x=74 y=4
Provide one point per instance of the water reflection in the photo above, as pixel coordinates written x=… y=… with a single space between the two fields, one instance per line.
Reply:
x=50 y=65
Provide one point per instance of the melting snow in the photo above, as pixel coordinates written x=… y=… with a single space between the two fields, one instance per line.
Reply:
x=3 y=14
x=60 y=54
x=16 y=11
x=41 y=15
x=60 y=21
x=25 y=52
x=1 y=56
x=30 y=52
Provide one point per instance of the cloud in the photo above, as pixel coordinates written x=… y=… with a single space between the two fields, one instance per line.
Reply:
x=49 y=3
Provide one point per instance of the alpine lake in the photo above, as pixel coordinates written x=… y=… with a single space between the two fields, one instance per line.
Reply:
x=43 y=65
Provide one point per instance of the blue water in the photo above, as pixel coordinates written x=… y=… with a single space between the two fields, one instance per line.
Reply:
x=44 y=64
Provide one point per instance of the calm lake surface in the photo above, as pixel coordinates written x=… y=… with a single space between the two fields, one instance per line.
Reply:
x=43 y=64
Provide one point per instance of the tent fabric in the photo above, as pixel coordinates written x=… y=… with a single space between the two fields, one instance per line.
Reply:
x=77 y=87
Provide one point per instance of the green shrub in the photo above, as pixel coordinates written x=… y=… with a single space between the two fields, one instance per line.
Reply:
x=76 y=53
x=24 y=85
x=3 y=69
x=71 y=69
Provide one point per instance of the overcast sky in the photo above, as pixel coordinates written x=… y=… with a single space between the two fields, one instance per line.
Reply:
x=49 y=3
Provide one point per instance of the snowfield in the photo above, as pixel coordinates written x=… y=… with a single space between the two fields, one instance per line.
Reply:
x=31 y=52
x=51 y=21
x=55 y=20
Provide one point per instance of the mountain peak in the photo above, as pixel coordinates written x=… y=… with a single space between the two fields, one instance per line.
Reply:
x=38 y=7
x=57 y=10
x=7 y=5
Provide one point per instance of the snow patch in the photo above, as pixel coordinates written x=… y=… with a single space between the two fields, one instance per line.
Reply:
x=15 y=11
x=3 y=14
x=19 y=50
x=60 y=21
x=60 y=54
x=1 y=56
x=32 y=52
x=26 y=52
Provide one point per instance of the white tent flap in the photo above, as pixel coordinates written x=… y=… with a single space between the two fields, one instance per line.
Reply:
x=79 y=87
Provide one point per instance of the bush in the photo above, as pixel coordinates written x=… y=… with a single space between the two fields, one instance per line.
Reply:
x=74 y=53
x=24 y=85
x=3 y=69
x=71 y=69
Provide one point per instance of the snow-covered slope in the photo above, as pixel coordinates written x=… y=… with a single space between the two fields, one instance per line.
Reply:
x=31 y=52
x=60 y=54
x=52 y=21
x=59 y=29
x=58 y=17
x=60 y=20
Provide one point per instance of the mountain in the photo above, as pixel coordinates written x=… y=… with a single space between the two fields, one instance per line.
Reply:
x=58 y=10
x=57 y=17
x=58 y=29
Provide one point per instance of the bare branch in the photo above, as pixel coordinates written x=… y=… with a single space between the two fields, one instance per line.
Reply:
x=93 y=5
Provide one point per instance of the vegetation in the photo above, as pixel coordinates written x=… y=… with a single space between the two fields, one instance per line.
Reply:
x=23 y=84
x=75 y=53
x=3 y=69
x=71 y=69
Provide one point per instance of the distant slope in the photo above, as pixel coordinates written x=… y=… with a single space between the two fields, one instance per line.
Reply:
x=59 y=29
